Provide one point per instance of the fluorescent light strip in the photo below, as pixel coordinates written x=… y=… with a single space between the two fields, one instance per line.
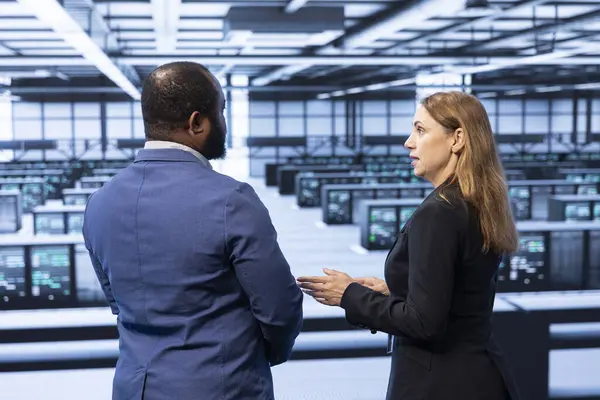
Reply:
x=294 y=5
x=165 y=14
x=548 y=89
x=591 y=85
x=54 y=15
x=486 y=95
x=516 y=92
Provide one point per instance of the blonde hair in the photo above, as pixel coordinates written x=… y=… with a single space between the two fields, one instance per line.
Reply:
x=479 y=172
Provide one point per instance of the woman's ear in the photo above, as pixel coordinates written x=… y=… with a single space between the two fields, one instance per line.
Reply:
x=459 y=141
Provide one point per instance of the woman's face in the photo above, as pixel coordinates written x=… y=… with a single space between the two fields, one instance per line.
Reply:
x=430 y=146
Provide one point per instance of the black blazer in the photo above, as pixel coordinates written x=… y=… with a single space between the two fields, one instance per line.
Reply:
x=442 y=293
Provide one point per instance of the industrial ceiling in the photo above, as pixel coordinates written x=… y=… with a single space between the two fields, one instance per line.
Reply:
x=333 y=48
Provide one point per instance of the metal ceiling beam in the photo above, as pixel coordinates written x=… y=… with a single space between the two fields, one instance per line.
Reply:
x=283 y=88
x=165 y=14
x=463 y=25
x=556 y=58
x=398 y=69
x=153 y=60
x=459 y=26
x=408 y=14
x=79 y=24
x=564 y=24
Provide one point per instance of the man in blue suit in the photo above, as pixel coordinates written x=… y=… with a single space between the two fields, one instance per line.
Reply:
x=188 y=258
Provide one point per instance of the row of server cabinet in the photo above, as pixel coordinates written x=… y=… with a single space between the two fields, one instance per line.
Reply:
x=558 y=219
x=44 y=263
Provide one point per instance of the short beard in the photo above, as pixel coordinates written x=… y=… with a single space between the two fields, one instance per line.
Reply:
x=215 y=147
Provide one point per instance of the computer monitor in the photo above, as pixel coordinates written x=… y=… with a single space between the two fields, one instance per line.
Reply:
x=361 y=194
x=33 y=195
x=91 y=185
x=566 y=259
x=89 y=291
x=386 y=193
x=564 y=189
x=12 y=275
x=587 y=189
x=74 y=222
x=405 y=213
x=520 y=200
x=383 y=227
x=592 y=277
x=47 y=223
x=596 y=213
x=577 y=211
x=592 y=177
x=411 y=193
x=75 y=199
x=393 y=179
x=574 y=177
x=10 y=186
x=51 y=267
x=338 y=207
x=527 y=267
x=367 y=180
x=308 y=189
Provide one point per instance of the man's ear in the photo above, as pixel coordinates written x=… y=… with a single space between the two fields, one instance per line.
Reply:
x=198 y=124
x=459 y=141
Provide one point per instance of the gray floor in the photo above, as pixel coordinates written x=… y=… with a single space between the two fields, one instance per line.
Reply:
x=309 y=247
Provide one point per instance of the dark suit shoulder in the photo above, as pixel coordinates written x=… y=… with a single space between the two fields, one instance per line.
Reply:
x=447 y=209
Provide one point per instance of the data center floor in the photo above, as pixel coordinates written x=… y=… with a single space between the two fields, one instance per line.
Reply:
x=309 y=246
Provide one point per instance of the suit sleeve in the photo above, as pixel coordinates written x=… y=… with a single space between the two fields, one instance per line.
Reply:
x=102 y=277
x=433 y=244
x=263 y=272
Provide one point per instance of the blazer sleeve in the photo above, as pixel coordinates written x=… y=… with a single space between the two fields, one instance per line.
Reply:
x=263 y=272
x=100 y=274
x=433 y=245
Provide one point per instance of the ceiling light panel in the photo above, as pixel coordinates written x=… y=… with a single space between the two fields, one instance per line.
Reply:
x=294 y=36
x=212 y=44
x=21 y=23
x=12 y=9
x=125 y=9
x=201 y=35
x=41 y=34
x=205 y=9
x=54 y=16
x=132 y=35
x=193 y=24
x=362 y=10
x=41 y=44
x=402 y=35
x=128 y=23
x=49 y=52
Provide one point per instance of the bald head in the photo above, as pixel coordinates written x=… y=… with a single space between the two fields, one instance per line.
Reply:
x=173 y=92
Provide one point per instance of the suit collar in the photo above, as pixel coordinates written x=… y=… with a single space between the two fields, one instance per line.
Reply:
x=169 y=154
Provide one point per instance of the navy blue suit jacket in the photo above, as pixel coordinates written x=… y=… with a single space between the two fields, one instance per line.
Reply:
x=189 y=261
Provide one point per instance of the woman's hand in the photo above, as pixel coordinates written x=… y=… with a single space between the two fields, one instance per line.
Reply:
x=375 y=284
x=327 y=289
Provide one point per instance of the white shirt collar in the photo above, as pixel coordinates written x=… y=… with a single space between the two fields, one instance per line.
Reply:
x=161 y=144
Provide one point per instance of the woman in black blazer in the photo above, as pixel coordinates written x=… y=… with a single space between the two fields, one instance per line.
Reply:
x=440 y=276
